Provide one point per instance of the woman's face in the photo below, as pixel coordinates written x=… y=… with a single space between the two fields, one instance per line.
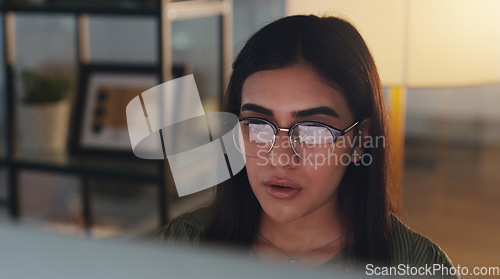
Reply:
x=289 y=188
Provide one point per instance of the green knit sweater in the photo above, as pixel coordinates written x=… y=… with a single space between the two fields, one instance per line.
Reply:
x=407 y=247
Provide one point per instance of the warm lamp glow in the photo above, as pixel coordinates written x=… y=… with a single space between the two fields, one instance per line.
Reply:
x=453 y=43
x=423 y=43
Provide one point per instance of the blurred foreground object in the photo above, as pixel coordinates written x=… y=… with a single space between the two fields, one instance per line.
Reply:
x=28 y=254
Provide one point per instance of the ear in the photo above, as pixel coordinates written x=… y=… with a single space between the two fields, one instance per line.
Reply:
x=363 y=135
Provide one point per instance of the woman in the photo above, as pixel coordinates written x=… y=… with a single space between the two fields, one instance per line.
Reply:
x=313 y=125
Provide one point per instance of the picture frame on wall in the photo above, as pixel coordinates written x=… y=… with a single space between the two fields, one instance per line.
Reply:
x=99 y=124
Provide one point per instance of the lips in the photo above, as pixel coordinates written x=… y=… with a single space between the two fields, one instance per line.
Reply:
x=281 y=188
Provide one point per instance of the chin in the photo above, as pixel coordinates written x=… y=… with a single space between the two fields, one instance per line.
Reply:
x=282 y=214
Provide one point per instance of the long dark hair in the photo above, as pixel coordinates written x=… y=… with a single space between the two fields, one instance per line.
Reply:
x=339 y=54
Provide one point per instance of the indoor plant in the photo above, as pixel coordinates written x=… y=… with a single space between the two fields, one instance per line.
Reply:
x=44 y=113
x=44 y=89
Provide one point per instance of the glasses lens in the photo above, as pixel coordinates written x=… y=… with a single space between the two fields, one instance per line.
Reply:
x=312 y=141
x=255 y=137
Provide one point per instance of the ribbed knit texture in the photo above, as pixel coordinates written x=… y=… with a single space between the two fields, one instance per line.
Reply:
x=406 y=246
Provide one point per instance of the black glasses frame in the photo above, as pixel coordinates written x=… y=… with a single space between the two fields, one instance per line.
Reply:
x=336 y=133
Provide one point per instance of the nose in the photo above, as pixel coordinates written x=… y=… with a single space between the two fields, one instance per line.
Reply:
x=282 y=153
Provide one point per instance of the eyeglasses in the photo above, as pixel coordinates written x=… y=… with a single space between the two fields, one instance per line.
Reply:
x=310 y=140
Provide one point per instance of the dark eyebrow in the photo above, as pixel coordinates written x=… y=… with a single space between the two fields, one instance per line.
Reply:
x=256 y=108
x=301 y=113
x=315 y=111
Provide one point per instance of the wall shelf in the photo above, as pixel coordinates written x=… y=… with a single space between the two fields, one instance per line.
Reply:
x=130 y=169
x=91 y=7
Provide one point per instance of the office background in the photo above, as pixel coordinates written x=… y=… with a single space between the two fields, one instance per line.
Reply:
x=450 y=182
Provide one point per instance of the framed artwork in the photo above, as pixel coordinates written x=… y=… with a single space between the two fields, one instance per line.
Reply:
x=99 y=124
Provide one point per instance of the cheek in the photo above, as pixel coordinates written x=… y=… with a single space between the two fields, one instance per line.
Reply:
x=327 y=175
x=324 y=178
x=254 y=167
